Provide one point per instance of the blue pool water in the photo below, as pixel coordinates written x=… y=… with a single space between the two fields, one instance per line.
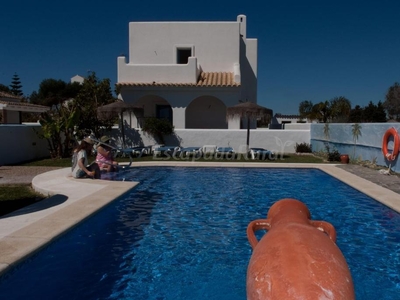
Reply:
x=181 y=234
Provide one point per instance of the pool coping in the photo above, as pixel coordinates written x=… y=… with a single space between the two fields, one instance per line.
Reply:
x=26 y=231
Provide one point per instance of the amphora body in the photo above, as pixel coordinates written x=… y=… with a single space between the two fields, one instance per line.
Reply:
x=297 y=258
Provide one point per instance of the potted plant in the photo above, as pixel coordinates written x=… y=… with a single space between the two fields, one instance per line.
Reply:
x=344 y=158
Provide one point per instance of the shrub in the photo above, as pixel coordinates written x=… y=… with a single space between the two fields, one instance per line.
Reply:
x=303 y=148
x=158 y=128
x=334 y=155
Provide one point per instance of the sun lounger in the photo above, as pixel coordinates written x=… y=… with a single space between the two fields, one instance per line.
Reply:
x=191 y=151
x=260 y=153
x=134 y=152
x=209 y=149
x=166 y=150
x=225 y=152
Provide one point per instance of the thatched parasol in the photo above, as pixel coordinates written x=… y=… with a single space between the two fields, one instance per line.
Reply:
x=249 y=110
x=115 y=109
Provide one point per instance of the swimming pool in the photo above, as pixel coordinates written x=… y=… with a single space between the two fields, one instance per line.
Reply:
x=181 y=234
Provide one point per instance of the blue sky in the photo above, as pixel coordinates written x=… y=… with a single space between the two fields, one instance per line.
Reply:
x=307 y=50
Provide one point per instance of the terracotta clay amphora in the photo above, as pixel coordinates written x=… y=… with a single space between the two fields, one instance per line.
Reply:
x=297 y=258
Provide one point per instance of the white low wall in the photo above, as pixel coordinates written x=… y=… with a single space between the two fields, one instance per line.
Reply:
x=298 y=126
x=367 y=147
x=20 y=143
x=279 y=141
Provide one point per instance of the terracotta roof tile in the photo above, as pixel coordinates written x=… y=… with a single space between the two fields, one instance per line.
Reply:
x=8 y=95
x=23 y=104
x=206 y=79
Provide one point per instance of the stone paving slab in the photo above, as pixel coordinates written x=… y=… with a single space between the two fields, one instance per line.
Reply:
x=25 y=231
x=391 y=182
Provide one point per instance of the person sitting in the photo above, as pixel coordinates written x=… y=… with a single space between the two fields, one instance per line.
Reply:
x=104 y=157
x=80 y=167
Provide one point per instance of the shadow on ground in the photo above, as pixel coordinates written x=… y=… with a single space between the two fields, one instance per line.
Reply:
x=27 y=206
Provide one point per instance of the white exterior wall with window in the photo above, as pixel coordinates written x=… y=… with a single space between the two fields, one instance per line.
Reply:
x=167 y=61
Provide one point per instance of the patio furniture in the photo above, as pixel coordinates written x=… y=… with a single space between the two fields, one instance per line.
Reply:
x=166 y=150
x=135 y=151
x=225 y=151
x=260 y=153
x=209 y=149
x=191 y=151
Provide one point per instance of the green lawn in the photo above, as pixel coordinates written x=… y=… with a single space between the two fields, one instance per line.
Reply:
x=286 y=158
x=13 y=197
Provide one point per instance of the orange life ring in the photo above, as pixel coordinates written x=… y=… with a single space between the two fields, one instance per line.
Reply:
x=396 y=145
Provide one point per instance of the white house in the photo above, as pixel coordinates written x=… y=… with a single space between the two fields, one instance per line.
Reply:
x=280 y=119
x=188 y=72
x=77 y=78
x=12 y=106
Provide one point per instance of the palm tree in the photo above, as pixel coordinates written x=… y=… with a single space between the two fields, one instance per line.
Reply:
x=326 y=131
x=306 y=110
x=356 y=131
x=340 y=109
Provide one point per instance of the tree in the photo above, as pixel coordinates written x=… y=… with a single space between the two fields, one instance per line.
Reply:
x=392 y=102
x=4 y=88
x=305 y=109
x=54 y=92
x=322 y=111
x=58 y=123
x=380 y=114
x=73 y=111
x=58 y=128
x=356 y=114
x=340 y=108
x=335 y=110
x=371 y=113
x=93 y=93
x=16 y=86
x=374 y=113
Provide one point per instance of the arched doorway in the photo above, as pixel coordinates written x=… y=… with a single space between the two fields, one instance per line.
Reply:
x=206 y=112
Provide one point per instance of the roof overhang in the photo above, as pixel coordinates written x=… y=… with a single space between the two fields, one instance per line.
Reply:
x=22 y=106
x=205 y=80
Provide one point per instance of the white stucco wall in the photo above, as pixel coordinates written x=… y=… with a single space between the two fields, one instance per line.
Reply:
x=215 y=47
x=304 y=126
x=249 y=70
x=153 y=51
x=280 y=141
x=214 y=44
x=28 y=146
x=367 y=147
x=179 y=99
x=13 y=117
x=155 y=73
x=20 y=143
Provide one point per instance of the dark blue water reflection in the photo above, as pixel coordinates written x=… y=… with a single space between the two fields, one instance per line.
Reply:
x=181 y=234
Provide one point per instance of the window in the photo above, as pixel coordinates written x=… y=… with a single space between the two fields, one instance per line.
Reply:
x=182 y=55
x=164 y=112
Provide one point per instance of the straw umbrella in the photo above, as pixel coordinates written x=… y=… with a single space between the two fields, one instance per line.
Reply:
x=249 y=110
x=115 y=109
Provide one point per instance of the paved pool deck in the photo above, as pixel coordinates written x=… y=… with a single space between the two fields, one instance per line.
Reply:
x=71 y=201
